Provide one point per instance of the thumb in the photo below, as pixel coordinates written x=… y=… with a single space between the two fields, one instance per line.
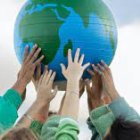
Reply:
x=55 y=91
x=63 y=68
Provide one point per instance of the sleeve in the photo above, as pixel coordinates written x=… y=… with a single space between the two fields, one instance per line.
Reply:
x=60 y=128
x=9 y=105
x=100 y=121
x=121 y=108
x=36 y=127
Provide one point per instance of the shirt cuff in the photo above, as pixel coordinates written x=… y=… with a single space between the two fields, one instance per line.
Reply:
x=13 y=97
x=102 y=118
x=119 y=107
x=36 y=127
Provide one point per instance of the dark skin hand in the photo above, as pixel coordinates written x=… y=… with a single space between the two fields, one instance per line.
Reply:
x=107 y=80
x=30 y=62
x=95 y=90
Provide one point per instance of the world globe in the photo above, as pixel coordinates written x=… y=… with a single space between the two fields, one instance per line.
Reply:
x=59 y=25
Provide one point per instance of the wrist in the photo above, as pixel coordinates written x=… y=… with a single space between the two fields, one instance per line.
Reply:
x=20 y=87
x=41 y=111
x=114 y=95
x=41 y=103
x=73 y=86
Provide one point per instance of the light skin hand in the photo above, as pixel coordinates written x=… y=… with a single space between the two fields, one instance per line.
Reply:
x=30 y=61
x=73 y=74
x=75 y=70
x=45 y=86
x=37 y=75
x=40 y=108
x=107 y=79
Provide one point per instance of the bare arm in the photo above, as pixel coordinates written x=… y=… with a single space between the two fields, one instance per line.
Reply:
x=73 y=74
x=39 y=110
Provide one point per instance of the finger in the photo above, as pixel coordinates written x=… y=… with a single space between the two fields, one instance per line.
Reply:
x=76 y=58
x=26 y=53
x=41 y=79
x=95 y=68
x=88 y=88
x=69 y=56
x=91 y=72
x=101 y=68
x=35 y=55
x=48 y=76
x=81 y=59
x=85 y=66
x=52 y=78
x=55 y=91
x=38 y=61
x=38 y=72
x=32 y=52
x=45 y=74
x=104 y=64
x=63 y=68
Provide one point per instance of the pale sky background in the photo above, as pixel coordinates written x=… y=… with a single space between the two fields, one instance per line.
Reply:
x=125 y=67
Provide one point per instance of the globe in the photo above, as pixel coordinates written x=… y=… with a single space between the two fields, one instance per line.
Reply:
x=59 y=25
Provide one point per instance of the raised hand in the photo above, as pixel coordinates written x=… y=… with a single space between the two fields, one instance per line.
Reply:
x=30 y=62
x=45 y=85
x=94 y=89
x=96 y=94
x=37 y=75
x=73 y=74
x=107 y=79
x=75 y=69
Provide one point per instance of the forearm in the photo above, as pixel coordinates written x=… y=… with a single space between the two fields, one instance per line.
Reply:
x=62 y=103
x=113 y=94
x=19 y=86
x=71 y=102
x=38 y=111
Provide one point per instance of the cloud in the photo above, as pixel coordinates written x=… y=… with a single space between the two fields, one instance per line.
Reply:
x=125 y=11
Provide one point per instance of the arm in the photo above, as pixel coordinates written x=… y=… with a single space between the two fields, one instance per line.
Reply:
x=11 y=101
x=39 y=110
x=82 y=89
x=73 y=74
x=63 y=127
x=101 y=116
x=118 y=105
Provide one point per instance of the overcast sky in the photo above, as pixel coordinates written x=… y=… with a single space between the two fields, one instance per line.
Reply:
x=125 y=66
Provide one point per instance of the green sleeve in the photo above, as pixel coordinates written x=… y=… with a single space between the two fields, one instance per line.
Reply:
x=100 y=121
x=36 y=127
x=60 y=128
x=9 y=105
x=121 y=108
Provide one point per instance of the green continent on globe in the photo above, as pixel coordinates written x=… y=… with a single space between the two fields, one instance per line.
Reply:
x=43 y=32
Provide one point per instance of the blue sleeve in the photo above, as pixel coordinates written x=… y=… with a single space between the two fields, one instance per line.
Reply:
x=121 y=108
